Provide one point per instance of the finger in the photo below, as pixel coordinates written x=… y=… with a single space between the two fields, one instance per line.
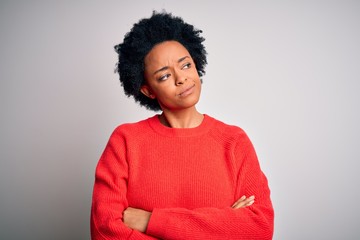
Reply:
x=240 y=204
x=238 y=201
x=244 y=203
x=250 y=203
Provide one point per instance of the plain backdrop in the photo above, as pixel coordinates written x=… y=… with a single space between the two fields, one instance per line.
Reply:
x=287 y=72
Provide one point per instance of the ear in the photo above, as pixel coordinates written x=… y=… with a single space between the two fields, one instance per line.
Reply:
x=145 y=89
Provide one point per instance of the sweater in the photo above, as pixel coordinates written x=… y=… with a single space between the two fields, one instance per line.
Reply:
x=187 y=177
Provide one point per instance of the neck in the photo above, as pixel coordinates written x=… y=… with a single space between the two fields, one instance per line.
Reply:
x=181 y=119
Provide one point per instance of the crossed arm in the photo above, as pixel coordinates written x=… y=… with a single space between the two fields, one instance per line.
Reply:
x=138 y=219
x=113 y=218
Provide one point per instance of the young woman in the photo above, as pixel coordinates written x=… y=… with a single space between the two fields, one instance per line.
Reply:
x=180 y=174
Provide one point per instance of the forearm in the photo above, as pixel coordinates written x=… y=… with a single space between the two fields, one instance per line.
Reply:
x=109 y=197
x=255 y=222
x=107 y=219
x=138 y=219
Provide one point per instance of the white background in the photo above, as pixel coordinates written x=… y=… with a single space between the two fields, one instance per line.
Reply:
x=287 y=72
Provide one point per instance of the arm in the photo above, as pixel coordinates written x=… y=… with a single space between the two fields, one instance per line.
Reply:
x=138 y=219
x=253 y=222
x=109 y=195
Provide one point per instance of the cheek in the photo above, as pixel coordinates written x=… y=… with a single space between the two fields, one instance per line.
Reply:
x=195 y=73
x=197 y=78
x=164 y=91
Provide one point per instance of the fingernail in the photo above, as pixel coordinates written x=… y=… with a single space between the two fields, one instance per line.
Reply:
x=252 y=197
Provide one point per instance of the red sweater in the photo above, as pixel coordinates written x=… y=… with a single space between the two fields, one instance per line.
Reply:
x=188 y=178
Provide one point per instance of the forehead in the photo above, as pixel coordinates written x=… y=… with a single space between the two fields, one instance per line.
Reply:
x=165 y=52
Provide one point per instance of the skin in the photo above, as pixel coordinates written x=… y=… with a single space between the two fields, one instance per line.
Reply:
x=172 y=78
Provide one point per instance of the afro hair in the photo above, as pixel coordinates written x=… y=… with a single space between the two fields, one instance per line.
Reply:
x=143 y=36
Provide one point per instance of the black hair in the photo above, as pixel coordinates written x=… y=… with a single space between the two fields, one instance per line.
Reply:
x=143 y=36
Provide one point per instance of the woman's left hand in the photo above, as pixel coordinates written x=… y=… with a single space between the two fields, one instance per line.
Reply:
x=243 y=202
x=136 y=219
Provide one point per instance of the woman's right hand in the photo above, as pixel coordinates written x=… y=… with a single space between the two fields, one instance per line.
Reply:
x=243 y=202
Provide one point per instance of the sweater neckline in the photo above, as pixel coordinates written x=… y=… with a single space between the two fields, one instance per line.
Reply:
x=158 y=127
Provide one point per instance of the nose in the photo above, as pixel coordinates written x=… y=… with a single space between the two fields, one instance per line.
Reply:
x=180 y=79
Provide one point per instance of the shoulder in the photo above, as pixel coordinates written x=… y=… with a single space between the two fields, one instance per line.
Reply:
x=132 y=128
x=232 y=136
x=221 y=127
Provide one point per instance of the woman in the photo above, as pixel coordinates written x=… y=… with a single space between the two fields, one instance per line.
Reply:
x=180 y=174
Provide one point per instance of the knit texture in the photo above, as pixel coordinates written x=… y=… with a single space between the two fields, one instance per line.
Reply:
x=187 y=177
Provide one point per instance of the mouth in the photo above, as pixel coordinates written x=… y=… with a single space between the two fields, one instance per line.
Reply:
x=187 y=91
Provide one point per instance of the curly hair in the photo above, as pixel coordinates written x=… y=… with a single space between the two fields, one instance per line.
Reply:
x=143 y=36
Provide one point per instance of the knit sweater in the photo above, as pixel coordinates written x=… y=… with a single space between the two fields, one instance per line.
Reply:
x=187 y=177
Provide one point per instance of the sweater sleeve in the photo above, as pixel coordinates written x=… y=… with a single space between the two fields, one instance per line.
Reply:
x=253 y=222
x=109 y=194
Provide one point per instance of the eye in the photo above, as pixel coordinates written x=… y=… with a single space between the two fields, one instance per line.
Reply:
x=164 y=77
x=186 y=66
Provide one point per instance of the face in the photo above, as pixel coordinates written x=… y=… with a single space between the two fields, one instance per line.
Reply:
x=171 y=77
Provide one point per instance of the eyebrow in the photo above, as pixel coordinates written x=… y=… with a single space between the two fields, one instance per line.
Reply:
x=166 y=67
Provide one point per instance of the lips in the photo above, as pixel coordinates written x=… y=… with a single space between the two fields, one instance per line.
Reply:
x=187 y=91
